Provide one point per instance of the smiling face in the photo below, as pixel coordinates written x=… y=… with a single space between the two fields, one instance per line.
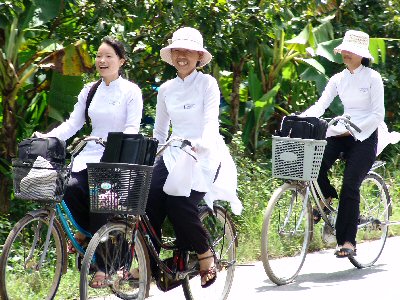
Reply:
x=351 y=60
x=185 y=60
x=108 y=63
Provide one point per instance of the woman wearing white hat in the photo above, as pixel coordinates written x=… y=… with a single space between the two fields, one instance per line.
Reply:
x=190 y=103
x=361 y=92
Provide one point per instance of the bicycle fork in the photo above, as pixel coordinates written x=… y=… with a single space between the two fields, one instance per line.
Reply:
x=288 y=217
x=36 y=239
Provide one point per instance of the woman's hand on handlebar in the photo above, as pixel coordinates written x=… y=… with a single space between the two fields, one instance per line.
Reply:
x=38 y=134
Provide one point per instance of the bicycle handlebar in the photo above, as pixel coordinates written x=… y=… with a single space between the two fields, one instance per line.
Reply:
x=82 y=143
x=345 y=120
x=184 y=144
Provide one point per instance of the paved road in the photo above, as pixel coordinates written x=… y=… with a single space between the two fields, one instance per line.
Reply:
x=323 y=276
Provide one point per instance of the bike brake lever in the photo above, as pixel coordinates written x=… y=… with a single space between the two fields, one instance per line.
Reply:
x=186 y=143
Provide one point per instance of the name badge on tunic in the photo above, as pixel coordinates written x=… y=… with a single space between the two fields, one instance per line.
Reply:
x=188 y=106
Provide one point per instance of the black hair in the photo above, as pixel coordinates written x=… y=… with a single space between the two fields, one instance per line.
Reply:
x=116 y=45
x=365 y=62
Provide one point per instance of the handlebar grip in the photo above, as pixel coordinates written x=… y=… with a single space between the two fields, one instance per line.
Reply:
x=356 y=128
x=186 y=143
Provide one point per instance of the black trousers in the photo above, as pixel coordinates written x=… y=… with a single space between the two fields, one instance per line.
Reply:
x=77 y=199
x=182 y=212
x=359 y=157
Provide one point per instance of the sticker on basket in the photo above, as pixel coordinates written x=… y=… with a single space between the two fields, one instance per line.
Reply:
x=288 y=156
x=105 y=185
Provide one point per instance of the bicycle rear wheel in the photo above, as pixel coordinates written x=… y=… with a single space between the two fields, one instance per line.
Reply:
x=113 y=250
x=222 y=238
x=286 y=233
x=373 y=221
x=21 y=274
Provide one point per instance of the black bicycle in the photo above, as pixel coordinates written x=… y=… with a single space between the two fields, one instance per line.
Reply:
x=122 y=248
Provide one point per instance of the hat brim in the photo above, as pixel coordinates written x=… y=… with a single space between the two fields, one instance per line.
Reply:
x=353 y=49
x=165 y=52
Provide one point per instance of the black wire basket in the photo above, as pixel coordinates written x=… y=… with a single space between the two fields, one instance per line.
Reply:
x=42 y=184
x=119 y=187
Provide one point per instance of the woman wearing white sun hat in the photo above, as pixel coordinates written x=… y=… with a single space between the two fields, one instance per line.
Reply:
x=361 y=92
x=190 y=103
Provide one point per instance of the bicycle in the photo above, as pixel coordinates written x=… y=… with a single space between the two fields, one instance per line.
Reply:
x=126 y=242
x=34 y=255
x=288 y=221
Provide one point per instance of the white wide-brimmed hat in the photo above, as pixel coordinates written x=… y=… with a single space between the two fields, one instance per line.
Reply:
x=186 y=38
x=356 y=42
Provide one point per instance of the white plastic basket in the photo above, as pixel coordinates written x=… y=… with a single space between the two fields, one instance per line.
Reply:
x=297 y=159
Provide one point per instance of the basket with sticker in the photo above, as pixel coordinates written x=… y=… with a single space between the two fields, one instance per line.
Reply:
x=119 y=187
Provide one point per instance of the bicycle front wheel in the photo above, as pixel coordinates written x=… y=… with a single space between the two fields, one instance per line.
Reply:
x=27 y=270
x=286 y=233
x=373 y=221
x=222 y=238
x=114 y=251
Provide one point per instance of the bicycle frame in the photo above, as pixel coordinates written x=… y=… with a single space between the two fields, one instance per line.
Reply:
x=64 y=215
x=145 y=228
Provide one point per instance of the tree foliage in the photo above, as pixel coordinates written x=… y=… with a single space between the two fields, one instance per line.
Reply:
x=270 y=57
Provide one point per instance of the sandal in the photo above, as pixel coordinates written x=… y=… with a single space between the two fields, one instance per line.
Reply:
x=343 y=252
x=99 y=281
x=211 y=271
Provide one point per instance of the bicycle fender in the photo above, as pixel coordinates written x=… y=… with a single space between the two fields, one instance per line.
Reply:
x=37 y=213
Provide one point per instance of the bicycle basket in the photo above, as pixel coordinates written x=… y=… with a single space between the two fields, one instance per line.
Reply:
x=297 y=159
x=118 y=187
x=38 y=180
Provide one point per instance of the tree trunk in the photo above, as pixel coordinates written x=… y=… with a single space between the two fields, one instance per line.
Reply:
x=235 y=95
x=8 y=145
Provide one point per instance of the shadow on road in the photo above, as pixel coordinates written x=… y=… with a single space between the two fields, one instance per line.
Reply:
x=310 y=280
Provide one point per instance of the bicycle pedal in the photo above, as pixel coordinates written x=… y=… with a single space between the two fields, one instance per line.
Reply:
x=164 y=283
x=328 y=235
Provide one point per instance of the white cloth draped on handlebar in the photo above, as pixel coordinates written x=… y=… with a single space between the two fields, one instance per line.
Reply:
x=385 y=137
x=186 y=174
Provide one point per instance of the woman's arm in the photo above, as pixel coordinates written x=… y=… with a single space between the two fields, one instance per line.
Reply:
x=377 y=114
x=211 y=114
x=134 y=111
x=162 y=121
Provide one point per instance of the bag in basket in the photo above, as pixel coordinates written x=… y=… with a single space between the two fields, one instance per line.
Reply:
x=40 y=182
x=51 y=149
x=129 y=148
x=303 y=127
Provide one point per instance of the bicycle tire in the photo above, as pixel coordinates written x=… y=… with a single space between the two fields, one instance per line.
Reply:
x=375 y=210
x=284 y=247
x=20 y=275
x=222 y=238
x=113 y=242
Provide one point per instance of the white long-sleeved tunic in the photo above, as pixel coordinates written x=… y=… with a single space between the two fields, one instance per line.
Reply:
x=114 y=108
x=362 y=96
x=191 y=106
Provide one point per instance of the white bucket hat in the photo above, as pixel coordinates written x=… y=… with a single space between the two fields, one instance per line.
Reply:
x=186 y=38
x=356 y=42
